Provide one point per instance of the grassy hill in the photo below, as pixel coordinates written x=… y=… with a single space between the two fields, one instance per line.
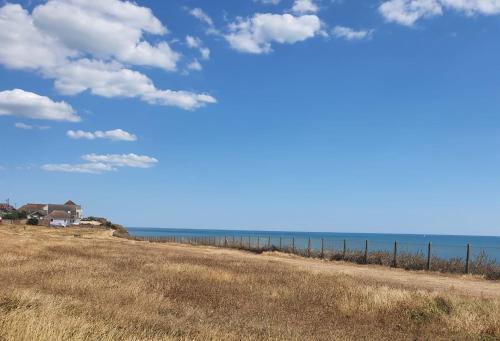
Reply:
x=85 y=284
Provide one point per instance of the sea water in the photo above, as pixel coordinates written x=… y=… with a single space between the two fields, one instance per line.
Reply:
x=443 y=246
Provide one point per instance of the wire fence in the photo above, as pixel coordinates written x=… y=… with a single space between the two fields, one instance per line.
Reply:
x=412 y=256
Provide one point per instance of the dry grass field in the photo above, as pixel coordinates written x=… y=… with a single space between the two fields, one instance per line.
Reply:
x=58 y=286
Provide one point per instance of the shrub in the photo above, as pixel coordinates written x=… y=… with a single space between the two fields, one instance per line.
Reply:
x=32 y=221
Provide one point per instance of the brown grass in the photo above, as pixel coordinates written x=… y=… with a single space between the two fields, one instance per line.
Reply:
x=58 y=286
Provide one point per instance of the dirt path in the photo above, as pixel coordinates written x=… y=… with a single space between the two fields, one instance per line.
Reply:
x=431 y=281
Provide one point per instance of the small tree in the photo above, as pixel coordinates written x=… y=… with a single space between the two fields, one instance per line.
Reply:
x=32 y=221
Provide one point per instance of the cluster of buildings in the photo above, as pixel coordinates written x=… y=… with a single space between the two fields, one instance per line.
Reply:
x=63 y=215
x=55 y=215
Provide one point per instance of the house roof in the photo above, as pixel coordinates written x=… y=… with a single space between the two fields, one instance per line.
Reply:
x=57 y=214
x=69 y=202
x=64 y=208
x=40 y=213
x=30 y=208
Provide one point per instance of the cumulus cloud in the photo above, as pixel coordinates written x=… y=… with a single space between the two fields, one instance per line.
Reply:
x=199 y=14
x=106 y=29
x=193 y=42
x=89 y=168
x=351 y=34
x=98 y=164
x=22 y=103
x=304 y=6
x=86 y=45
x=122 y=160
x=194 y=66
x=407 y=12
x=205 y=53
x=21 y=125
x=268 y=2
x=114 y=135
x=256 y=34
x=196 y=43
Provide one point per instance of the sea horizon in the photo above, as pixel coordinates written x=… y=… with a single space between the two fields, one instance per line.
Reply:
x=303 y=231
x=444 y=246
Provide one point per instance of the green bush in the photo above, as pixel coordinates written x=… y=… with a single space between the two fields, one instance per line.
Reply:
x=13 y=215
x=32 y=221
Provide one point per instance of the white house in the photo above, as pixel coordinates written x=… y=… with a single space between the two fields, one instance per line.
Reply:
x=59 y=218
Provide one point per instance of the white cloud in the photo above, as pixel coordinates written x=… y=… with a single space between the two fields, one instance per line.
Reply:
x=268 y=2
x=205 y=53
x=351 y=34
x=24 y=46
x=106 y=29
x=21 y=125
x=196 y=43
x=98 y=164
x=122 y=160
x=111 y=80
x=470 y=7
x=89 y=168
x=114 y=135
x=195 y=66
x=199 y=14
x=22 y=103
x=256 y=34
x=304 y=6
x=193 y=42
x=407 y=12
x=82 y=45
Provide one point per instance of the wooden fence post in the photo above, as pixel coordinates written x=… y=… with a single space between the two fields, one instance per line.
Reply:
x=322 y=248
x=293 y=244
x=269 y=242
x=395 y=259
x=366 y=251
x=249 y=243
x=258 y=242
x=280 y=243
x=467 y=260
x=429 y=256
x=309 y=247
x=225 y=241
x=241 y=242
x=345 y=249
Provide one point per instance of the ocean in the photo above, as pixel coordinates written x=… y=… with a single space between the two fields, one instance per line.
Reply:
x=443 y=246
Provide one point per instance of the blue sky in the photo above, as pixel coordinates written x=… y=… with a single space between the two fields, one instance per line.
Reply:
x=373 y=116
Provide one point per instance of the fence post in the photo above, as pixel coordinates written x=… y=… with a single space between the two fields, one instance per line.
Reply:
x=345 y=249
x=293 y=244
x=467 y=260
x=322 y=248
x=395 y=260
x=366 y=251
x=249 y=242
x=309 y=247
x=225 y=241
x=429 y=256
x=269 y=242
x=280 y=243
x=241 y=242
x=258 y=242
